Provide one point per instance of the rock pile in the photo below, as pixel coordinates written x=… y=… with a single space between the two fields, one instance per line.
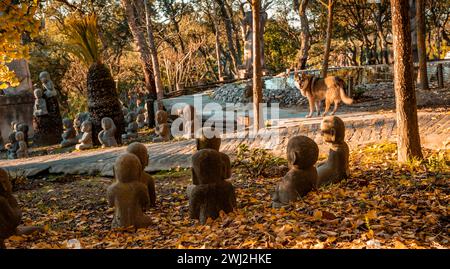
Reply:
x=275 y=90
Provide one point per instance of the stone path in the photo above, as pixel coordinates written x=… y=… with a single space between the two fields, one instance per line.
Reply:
x=362 y=128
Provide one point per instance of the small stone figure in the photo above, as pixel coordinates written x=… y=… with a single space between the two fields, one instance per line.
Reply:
x=20 y=127
x=210 y=193
x=40 y=106
x=79 y=119
x=47 y=83
x=140 y=151
x=162 y=129
x=107 y=135
x=189 y=119
x=335 y=168
x=86 y=140
x=132 y=128
x=48 y=128
x=10 y=214
x=69 y=136
x=22 y=150
x=140 y=119
x=125 y=111
x=128 y=195
x=302 y=154
x=208 y=138
x=13 y=144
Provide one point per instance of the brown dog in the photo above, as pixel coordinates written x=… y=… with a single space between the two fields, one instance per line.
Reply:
x=316 y=89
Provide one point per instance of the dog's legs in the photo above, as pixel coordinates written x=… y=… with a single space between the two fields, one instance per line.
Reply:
x=327 y=107
x=336 y=105
x=311 y=107
x=318 y=108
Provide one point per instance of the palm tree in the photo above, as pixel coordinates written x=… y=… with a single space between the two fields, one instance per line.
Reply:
x=103 y=100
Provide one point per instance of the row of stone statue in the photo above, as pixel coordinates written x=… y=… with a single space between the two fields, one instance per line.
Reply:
x=134 y=119
x=78 y=132
x=210 y=193
x=81 y=136
x=17 y=147
x=133 y=190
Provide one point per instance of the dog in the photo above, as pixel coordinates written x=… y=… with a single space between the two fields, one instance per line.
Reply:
x=317 y=89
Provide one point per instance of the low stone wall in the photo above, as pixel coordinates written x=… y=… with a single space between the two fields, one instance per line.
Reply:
x=15 y=107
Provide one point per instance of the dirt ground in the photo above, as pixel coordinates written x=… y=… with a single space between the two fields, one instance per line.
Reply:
x=381 y=205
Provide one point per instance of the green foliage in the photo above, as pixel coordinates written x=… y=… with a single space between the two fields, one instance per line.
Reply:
x=279 y=49
x=437 y=162
x=255 y=163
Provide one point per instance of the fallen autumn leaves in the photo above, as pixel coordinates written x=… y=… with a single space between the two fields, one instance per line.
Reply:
x=382 y=205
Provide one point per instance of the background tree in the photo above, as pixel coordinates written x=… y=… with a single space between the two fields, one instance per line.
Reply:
x=103 y=101
x=17 y=20
x=257 y=81
x=154 y=56
x=136 y=27
x=301 y=6
x=408 y=139
x=422 y=50
x=228 y=22
x=329 y=6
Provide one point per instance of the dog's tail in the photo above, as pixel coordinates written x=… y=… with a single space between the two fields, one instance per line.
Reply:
x=347 y=100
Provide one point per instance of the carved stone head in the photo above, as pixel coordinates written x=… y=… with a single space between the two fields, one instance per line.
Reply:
x=332 y=129
x=44 y=77
x=108 y=123
x=67 y=123
x=302 y=152
x=38 y=93
x=5 y=184
x=210 y=166
x=131 y=116
x=161 y=117
x=86 y=126
x=208 y=138
x=20 y=136
x=140 y=151
x=127 y=168
x=14 y=125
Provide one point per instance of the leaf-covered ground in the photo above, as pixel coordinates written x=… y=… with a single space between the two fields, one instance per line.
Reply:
x=382 y=205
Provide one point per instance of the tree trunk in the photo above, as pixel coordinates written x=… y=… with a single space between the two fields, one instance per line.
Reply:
x=422 y=50
x=229 y=33
x=413 y=21
x=305 y=35
x=439 y=71
x=257 y=82
x=378 y=18
x=154 y=56
x=328 y=40
x=408 y=139
x=217 y=43
x=144 y=53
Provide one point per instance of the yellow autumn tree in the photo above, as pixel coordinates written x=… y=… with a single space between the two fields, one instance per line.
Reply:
x=17 y=19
